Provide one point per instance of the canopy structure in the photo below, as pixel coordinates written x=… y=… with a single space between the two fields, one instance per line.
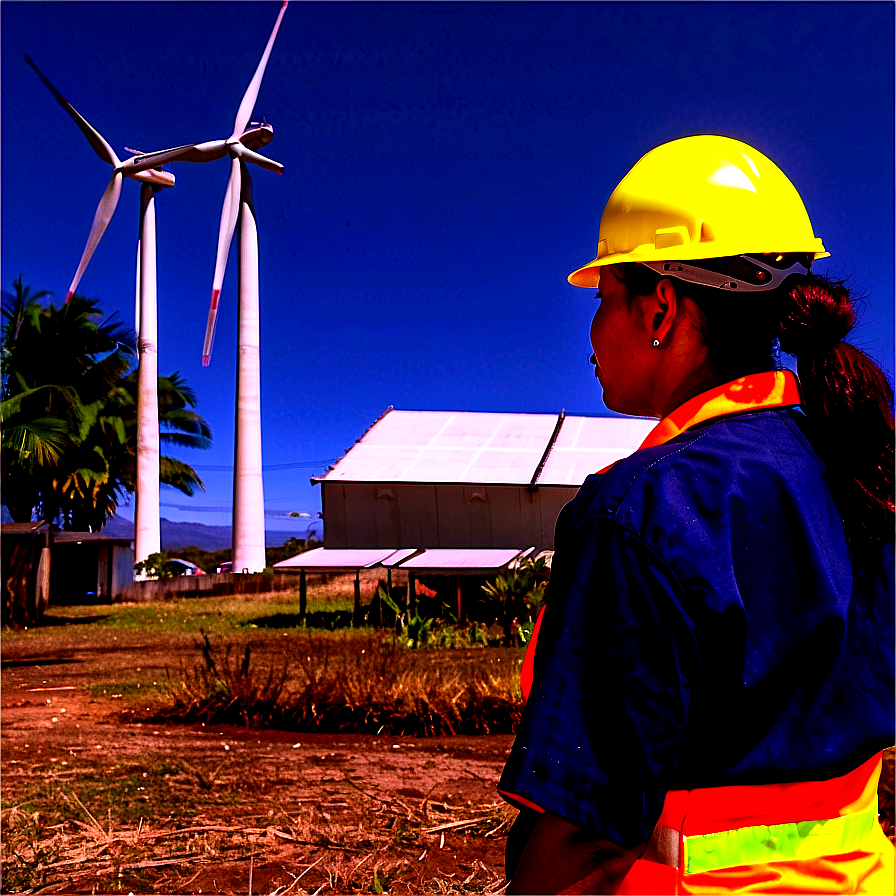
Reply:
x=457 y=562
x=341 y=559
x=464 y=561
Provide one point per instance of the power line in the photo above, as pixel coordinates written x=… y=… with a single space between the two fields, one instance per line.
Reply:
x=269 y=468
x=281 y=514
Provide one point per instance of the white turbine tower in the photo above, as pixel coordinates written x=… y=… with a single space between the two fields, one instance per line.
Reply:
x=146 y=517
x=248 y=493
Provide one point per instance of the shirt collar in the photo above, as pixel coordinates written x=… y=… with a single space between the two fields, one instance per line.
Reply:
x=754 y=392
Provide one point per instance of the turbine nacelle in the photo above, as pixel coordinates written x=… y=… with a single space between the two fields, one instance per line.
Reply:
x=242 y=147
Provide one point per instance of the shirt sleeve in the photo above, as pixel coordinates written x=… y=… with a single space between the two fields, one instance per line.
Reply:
x=604 y=722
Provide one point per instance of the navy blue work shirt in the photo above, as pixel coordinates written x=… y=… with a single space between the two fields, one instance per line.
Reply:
x=704 y=626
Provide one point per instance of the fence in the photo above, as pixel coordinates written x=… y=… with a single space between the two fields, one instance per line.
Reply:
x=218 y=585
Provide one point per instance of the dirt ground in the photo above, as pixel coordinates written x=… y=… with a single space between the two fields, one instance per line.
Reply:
x=195 y=809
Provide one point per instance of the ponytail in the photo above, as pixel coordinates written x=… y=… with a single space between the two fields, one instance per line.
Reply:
x=849 y=403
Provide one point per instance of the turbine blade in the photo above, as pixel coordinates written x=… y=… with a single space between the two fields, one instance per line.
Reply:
x=249 y=155
x=94 y=137
x=101 y=219
x=225 y=235
x=248 y=103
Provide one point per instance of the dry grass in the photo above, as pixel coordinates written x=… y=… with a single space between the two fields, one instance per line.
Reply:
x=363 y=682
x=318 y=846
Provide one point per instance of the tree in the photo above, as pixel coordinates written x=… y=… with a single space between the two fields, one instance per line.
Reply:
x=69 y=413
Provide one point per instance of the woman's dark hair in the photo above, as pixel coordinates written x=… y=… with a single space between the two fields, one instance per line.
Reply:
x=847 y=398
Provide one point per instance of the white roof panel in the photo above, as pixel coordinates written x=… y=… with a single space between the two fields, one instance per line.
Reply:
x=482 y=448
x=448 y=446
x=588 y=444
x=344 y=558
x=462 y=558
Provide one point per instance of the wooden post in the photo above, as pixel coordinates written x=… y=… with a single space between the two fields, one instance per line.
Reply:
x=43 y=574
x=459 y=608
x=357 y=613
x=379 y=604
x=303 y=594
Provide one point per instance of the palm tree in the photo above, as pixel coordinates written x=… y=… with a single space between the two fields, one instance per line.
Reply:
x=69 y=413
x=56 y=366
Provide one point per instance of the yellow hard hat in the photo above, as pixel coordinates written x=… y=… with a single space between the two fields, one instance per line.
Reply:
x=697 y=198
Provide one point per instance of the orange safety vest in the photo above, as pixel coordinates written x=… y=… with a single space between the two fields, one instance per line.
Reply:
x=805 y=837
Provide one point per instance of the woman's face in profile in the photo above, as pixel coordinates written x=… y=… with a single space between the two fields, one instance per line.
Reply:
x=622 y=346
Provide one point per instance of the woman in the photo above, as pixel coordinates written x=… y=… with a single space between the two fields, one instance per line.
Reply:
x=712 y=679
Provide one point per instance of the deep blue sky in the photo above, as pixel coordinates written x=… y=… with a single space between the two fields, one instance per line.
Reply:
x=446 y=166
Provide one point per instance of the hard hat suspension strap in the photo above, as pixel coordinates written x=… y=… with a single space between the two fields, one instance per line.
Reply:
x=739 y=273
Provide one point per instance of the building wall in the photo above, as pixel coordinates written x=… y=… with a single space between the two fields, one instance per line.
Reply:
x=407 y=515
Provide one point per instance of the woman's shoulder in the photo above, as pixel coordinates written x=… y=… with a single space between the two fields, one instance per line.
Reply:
x=758 y=457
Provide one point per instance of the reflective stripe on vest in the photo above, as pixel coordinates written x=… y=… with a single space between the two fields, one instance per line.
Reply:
x=778 y=842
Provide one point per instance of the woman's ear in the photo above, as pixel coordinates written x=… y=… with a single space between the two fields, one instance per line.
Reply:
x=665 y=308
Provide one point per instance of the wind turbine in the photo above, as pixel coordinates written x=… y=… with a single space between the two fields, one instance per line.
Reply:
x=147 y=536
x=248 y=493
x=240 y=146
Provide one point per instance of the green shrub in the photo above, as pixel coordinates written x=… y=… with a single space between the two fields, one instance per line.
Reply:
x=156 y=566
x=516 y=597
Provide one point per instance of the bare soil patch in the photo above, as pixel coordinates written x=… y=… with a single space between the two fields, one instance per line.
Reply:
x=94 y=803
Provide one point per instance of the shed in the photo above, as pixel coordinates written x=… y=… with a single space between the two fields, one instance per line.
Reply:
x=462 y=479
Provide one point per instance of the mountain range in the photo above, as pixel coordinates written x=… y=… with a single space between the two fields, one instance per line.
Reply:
x=207 y=538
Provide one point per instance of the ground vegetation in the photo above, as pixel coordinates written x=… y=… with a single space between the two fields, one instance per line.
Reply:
x=102 y=793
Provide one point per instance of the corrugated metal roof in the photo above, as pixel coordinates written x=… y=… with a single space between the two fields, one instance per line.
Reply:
x=585 y=445
x=100 y=537
x=497 y=449
x=485 y=559
x=22 y=528
x=344 y=558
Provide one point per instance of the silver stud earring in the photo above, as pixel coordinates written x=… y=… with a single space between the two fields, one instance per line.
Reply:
x=656 y=343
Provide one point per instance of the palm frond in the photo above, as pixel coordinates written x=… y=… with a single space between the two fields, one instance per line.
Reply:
x=179 y=475
x=37 y=443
